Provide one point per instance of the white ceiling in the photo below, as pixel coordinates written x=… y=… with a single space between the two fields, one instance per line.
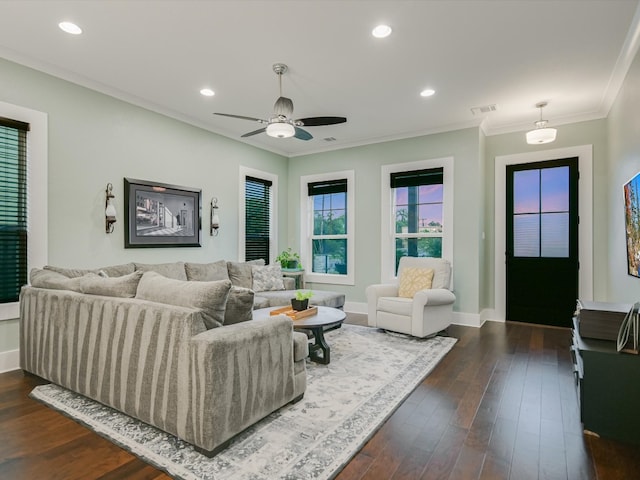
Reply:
x=512 y=53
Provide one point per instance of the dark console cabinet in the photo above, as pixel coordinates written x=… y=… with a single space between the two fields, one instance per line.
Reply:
x=608 y=386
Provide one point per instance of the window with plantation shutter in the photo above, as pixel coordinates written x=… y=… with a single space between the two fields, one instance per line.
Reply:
x=13 y=208
x=257 y=218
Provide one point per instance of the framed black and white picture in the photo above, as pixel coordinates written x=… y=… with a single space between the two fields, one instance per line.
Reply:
x=161 y=215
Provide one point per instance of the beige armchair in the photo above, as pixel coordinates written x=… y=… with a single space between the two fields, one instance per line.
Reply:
x=426 y=314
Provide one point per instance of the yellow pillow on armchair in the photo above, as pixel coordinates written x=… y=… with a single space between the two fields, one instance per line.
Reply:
x=413 y=279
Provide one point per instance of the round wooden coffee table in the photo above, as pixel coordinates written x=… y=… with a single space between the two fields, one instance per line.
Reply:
x=326 y=319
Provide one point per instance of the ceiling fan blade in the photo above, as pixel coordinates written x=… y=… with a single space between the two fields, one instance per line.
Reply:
x=302 y=134
x=319 y=121
x=255 y=132
x=241 y=117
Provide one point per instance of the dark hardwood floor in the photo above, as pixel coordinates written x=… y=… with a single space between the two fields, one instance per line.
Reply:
x=502 y=404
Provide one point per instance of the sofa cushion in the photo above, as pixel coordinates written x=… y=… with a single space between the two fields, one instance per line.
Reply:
x=300 y=346
x=414 y=279
x=240 y=272
x=239 y=305
x=260 y=302
x=280 y=298
x=267 y=278
x=124 y=286
x=207 y=272
x=46 y=278
x=397 y=305
x=173 y=270
x=210 y=297
x=109 y=271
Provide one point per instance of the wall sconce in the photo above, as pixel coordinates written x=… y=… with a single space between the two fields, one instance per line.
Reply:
x=215 y=220
x=110 y=210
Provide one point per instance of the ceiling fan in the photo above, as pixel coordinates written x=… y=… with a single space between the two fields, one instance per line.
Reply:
x=280 y=124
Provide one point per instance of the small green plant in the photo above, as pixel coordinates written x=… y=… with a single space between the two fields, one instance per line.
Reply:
x=288 y=258
x=300 y=295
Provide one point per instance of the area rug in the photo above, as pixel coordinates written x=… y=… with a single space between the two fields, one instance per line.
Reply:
x=370 y=373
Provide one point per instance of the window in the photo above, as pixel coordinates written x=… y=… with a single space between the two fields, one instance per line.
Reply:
x=417 y=208
x=13 y=208
x=257 y=221
x=327 y=243
x=34 y=180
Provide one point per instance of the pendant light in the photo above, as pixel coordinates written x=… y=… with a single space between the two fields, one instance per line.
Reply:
x=541 y=134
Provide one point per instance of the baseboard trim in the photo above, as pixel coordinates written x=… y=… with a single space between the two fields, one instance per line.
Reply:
x=9 y=360
x=468 y=319
x=355 y=307
x=490 y=315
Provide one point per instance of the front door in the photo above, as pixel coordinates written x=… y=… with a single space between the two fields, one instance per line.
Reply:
x=542 y=242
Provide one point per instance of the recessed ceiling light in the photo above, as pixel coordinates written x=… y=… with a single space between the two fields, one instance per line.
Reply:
x=70 y=27
x=381 y=31
x=427 y=92
x=207 y=92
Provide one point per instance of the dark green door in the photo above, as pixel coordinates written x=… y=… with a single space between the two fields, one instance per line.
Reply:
x=542 y=242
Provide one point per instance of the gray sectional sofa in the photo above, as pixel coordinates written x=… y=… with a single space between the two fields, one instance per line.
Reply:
x=168 y=344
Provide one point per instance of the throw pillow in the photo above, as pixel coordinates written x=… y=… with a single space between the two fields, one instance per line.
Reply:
x=240 y=272
x=124 y=286
x=207 y=272
x=210 y=297
x=267 y=278
x=413 y=279
x=239 y=306
x=173 y=270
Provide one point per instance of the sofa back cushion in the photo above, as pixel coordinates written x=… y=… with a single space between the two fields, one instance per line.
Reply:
x=240 y=273
x=210 y=297
x=109 y=271
x=173 y=270
x=207 y=272
x=125 y=286
x=239 y=305
x=90 y=283
x=45 y=278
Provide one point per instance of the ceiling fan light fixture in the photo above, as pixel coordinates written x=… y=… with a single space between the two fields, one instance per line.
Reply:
x=541 y=134
x=70 y=27
x=280 y=130
x=207 y=92
x=381 y=31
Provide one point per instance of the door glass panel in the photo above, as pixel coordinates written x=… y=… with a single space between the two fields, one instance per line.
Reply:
x=526 y=235
x=555 y=234
x=555 y=189
x=526 y=191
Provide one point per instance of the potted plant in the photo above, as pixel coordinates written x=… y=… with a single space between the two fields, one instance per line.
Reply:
x=288 y=259
x=301 y=302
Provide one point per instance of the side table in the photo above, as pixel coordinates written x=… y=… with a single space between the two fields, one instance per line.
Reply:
x=295 y=273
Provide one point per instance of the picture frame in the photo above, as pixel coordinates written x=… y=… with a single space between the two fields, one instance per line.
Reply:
x=632 y=224
x=161 y=215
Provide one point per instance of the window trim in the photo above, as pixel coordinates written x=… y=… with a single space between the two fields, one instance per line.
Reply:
x=306 y=228
x=387 y=225
x=242 y=207
x=37 y=218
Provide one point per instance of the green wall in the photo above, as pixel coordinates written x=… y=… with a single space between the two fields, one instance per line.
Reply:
x=95 y=139
x=623 y=163
x=583 y=133
x=366 y=161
